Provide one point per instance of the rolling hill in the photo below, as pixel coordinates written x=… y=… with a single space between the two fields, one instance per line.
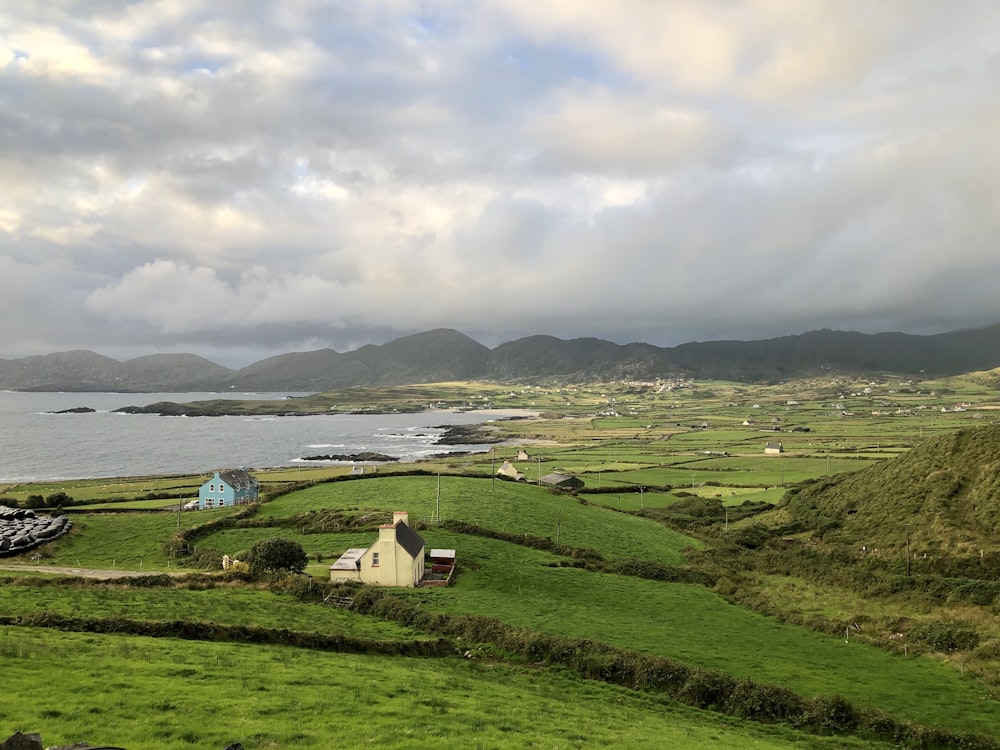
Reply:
x=943 y=495
x=444 y=354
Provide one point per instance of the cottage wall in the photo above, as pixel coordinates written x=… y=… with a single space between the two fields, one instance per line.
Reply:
x=395 y=566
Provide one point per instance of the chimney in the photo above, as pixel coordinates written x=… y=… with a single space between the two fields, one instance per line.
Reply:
x=400 y=515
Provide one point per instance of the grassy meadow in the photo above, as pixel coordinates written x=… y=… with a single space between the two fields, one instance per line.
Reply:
x=638 y=447
x=149 y=693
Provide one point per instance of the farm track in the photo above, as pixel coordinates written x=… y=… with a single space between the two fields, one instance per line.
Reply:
x=89 y=572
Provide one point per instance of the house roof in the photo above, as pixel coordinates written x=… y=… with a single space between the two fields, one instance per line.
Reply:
x=557 y=477
x=349 y=560
x=773 y=445
x=408 y=539
x=237 y=478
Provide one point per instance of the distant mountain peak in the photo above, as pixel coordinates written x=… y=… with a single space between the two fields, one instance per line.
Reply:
x=446 y=354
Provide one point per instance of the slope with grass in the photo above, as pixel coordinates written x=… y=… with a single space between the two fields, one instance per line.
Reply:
x=944 y=495
x=147 y=694
x=691 y=624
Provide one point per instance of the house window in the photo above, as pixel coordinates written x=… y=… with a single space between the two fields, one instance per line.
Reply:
x=374 y=559
x=211 y=488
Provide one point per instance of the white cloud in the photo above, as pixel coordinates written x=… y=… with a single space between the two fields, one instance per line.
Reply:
x=573 y=167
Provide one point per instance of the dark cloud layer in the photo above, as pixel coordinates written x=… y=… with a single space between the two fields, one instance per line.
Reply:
x=239 y=179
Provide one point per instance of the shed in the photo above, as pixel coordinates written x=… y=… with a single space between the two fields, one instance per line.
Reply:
x=773 y=448
x=562 y=481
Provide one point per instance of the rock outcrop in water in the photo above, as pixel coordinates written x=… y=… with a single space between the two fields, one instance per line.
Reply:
x=363 y=456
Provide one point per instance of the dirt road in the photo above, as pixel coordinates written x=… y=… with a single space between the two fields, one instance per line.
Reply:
x=88 y=572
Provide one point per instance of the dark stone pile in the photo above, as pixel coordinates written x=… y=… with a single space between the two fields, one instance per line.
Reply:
x=21 y=529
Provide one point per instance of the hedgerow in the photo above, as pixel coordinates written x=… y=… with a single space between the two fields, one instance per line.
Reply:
x=585 y=557
x=704 y=689
x=208 y=631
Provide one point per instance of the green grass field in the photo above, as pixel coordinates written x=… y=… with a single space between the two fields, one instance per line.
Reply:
x=144 y=693
x=515 y=584
x=147 y=694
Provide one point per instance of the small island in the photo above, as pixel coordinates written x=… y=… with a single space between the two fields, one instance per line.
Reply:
x=370 y=456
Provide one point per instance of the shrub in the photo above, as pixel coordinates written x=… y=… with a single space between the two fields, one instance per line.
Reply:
x=275 y=554
x=766 y=703
x=944 y=637
x=58 y=499
x=705 y=689
x=34 y=501
x=753 y=536
x=831 y=715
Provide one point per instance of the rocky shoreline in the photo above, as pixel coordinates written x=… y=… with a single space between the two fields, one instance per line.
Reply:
x=369 y=456
x=467 y=434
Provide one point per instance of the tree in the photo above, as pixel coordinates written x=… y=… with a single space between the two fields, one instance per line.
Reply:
x=58 y=500
x=276 y=554
x=34 y=501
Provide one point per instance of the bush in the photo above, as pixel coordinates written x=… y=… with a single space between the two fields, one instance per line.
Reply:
x=766 y=703
x=707 y=690
x=752 y=537
x=58 y=499
x=833 y=715
x=276 y=554
x=34 y=502
x=944 y=637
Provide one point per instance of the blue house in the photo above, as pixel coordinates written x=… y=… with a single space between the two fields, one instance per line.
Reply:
x=226 y=488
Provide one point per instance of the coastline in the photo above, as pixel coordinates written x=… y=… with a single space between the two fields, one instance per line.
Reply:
x=39 y=446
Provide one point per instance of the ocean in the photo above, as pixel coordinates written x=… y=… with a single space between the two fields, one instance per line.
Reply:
x=36 y=445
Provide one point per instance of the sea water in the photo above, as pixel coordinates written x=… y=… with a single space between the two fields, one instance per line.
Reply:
x=36 y=444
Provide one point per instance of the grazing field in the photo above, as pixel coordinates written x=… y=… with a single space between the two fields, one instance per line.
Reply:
x=688 y=454
x=148 y=693
x=685 y=622
x=695 y=626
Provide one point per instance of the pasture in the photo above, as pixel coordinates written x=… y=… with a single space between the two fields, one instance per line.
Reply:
x=637 y=447
x=150 y=693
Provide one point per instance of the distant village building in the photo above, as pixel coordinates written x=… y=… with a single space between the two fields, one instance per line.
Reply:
x=508 y=471
x=561 y=481
x=395 y=559
x=773 y=448
x=227 y=488
x=522 y=455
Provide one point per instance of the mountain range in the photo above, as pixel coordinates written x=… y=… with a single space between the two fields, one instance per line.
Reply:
x=445 y=354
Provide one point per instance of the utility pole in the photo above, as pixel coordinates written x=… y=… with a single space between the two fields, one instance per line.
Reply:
x=492 y=467
x=641 y=488
x=539 y=469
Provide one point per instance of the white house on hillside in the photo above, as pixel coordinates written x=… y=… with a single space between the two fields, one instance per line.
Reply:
x=395 y=559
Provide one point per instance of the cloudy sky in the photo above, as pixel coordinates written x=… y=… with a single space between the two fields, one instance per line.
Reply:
x=239 y=178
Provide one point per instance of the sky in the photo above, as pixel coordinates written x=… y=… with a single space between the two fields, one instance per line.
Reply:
x=239 y=179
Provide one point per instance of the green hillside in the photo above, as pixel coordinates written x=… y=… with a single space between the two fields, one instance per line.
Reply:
x=657 y=601
x=943 y=494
